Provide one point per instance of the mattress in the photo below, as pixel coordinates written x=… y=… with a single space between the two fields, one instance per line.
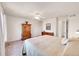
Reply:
x=44 y=46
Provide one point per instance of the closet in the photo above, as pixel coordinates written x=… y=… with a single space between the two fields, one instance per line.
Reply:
x=26 y=31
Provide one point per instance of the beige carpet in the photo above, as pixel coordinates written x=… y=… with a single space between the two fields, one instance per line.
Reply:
x=14 y=48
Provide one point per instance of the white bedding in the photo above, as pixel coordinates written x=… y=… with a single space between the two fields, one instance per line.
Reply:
x=43 y=46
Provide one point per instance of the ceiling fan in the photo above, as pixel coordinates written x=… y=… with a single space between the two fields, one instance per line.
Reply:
x=37 y=16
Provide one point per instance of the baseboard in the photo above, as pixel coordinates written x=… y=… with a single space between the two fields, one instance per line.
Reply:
x=12 y=41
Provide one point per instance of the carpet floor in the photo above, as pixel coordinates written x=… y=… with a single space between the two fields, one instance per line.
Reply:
x=14 y=48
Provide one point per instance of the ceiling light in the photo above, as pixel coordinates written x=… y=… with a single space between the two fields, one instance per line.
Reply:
x=36 y=17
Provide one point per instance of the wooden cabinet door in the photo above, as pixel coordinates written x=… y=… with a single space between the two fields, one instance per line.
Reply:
x=26 y=31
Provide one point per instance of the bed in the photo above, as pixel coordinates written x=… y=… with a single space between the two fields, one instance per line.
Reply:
x=44 y=46
x=51 y=46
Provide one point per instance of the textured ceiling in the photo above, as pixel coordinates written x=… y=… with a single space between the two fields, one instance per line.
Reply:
x=45 y=9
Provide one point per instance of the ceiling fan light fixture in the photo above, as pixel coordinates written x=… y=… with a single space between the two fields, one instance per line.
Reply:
x=36 y=17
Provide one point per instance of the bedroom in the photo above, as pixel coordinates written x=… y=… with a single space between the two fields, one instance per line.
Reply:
x=61 y=19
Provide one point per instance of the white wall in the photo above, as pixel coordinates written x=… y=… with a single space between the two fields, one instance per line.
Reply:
x=14 y=29
x=73 y=26
x=53 y=25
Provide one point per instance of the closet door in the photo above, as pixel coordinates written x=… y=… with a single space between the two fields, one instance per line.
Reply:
x=65 y=28
x=60 y=28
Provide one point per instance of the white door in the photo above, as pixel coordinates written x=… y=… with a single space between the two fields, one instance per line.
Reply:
x=2 y=36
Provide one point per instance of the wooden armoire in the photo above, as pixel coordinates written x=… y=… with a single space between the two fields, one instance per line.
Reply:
x=26 y=31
